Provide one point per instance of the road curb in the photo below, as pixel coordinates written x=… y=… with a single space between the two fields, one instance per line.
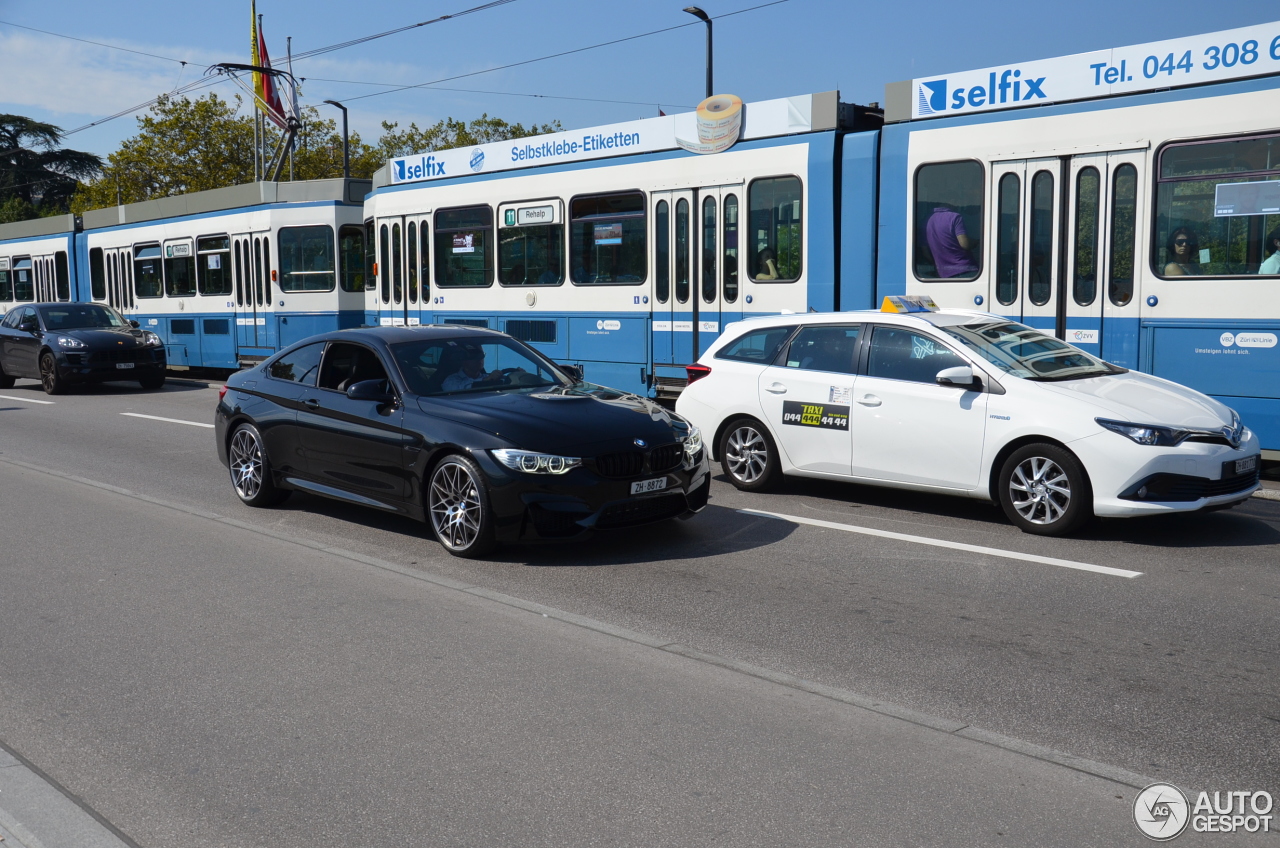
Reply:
x=951 y=727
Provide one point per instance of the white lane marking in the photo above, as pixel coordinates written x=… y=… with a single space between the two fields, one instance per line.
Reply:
x=941 y=543
x=26 y=399
x=170 y=420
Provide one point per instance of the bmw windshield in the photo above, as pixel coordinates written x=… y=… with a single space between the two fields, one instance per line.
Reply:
x=1020 y=351
x=466 y=365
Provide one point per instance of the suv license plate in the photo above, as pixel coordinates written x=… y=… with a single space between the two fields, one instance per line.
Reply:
x=1244 y=466
x=123 y=365
x=641 y=487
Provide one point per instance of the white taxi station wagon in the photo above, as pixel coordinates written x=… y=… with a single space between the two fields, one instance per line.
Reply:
x=968 y=403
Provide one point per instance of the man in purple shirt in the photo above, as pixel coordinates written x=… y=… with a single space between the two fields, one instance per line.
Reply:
x=949 y=243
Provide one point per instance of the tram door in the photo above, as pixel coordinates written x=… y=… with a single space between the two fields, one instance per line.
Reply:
x=119 y=289
x=1025 y=220
x=402 y=253
x=251 y=260
x=717 y=302
x=1102 y=229
x=47 y=287
x=673 y=302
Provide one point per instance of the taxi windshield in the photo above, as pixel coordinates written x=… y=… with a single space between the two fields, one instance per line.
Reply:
x=1020 y=351
x=465 y=365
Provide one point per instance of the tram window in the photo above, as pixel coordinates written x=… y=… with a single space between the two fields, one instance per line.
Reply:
x=351 y=254
x=397 y=267
x=531 y=255
x=97 y=275
x=1008 y=207
x=240 y=285
x=1040 y=264
x=608 y=240
x=774 y=240
x=6 y=285
x=384 y=270
x=662 y=237
x=62 y=275
x=1084 y=276
x=306 y=258
x=709 y=250
x=730 y=289
x=301 y=366
x=146 y=271
x=126 y=277
x=370 y=258
x=256 y=293
x=266 y=270
x=179 y=269
x=213 y=260
x=24 y=288
x=412 y=265
x=424 y=263
x=1124 y=236
x=948 y=221
x=1218 y=209
x=682 y=250
x=464 y=247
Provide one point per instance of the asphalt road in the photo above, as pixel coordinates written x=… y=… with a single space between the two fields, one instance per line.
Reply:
x=159 y=654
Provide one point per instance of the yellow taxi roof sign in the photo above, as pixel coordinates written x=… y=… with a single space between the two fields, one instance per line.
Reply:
x=902 y=303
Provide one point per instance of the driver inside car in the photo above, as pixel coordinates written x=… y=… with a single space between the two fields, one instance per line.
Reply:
x=471 y=371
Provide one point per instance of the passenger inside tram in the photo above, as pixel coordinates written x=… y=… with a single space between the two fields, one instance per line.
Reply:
x=1184 y=253
x=768 y=269
x=1271 y=265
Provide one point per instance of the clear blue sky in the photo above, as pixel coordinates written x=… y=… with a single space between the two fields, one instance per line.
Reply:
x=796 y=47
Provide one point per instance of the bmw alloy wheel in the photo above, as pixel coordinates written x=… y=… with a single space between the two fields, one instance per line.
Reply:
x=1040 y=490
x=246 y=463
x=746 y=454
x=455 y=504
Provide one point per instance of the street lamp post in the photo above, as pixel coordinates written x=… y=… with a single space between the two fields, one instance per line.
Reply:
x=346 y=150
x=702 y=16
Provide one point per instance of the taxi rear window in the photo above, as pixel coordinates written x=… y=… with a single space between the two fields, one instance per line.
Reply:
x=758 y=346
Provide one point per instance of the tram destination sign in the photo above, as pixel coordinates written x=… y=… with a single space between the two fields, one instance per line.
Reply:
x=1232 y=54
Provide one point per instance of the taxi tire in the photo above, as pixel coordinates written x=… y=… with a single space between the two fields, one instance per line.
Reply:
x=1045 y=463
x=739 y=429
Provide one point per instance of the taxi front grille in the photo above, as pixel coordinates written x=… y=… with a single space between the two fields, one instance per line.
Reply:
x=1182 y=488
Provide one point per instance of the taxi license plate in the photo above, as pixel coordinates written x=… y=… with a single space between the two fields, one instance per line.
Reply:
x=1244 y=466
x=641 y=487
x=124 y=365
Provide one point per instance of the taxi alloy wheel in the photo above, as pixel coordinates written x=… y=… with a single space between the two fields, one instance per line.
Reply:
x=458 y=504
x=251 y=470
x=50 y=379
x=748 y=455
x=1044 y=490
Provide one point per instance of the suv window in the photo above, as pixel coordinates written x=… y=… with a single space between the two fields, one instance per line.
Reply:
x=301 y=366
x=758 y=346
x=347 y=364
x=824 y=348
x=898 y=354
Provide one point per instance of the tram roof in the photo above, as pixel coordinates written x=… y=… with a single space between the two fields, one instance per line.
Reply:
x=1251 y=51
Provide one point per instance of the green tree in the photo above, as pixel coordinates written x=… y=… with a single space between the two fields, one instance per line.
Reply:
x=450 y=133
x=37 y=175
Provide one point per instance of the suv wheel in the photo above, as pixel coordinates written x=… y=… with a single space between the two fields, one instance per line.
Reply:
x=52 y=381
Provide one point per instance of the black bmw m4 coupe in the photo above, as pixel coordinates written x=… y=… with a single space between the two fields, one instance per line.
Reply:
x=474 y=432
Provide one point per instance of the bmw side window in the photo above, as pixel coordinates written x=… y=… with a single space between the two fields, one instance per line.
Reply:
x=823 y=348
x=301 y=366
x=898 y=354
x=758 y=346
x=348 y=364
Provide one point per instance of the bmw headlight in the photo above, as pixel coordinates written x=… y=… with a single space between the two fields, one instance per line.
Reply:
x=536 y=463
x=150 y=338
x=69 y=343
x=692 y=443
x=1145 y=434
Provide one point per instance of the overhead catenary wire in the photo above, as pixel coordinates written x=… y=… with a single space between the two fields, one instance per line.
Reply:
x=97 y=43
x=514 y=94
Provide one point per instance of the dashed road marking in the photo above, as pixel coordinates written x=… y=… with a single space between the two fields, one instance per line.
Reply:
x=170 y=420
x=27 y=400
x=942 y=543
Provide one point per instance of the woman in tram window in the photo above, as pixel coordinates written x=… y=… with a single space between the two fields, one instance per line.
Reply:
x=1271 y=265
x=1184 y=251
x=768 y=265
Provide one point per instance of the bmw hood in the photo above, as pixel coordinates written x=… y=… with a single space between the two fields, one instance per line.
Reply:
x=576 y=422
x=1143 y=399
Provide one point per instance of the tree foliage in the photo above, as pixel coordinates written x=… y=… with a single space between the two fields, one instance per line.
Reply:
x=186 y=145
x=38 y=176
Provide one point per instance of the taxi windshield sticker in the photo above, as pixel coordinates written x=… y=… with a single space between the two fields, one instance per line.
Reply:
x=815 y=415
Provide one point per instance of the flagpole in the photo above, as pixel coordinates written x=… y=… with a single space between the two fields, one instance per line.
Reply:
x=288 y=54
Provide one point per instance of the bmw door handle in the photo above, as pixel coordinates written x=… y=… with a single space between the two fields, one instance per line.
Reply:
x=311 y=403
x=870 y=400
x=776 y=388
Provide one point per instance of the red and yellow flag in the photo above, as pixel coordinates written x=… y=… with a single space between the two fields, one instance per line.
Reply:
x=266 y=91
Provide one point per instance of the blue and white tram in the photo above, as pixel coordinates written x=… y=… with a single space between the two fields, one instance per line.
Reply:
x=224 y=277
x=1137 y=216
x=617 y=248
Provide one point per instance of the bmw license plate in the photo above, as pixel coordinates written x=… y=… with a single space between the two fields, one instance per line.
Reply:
x=124 y=365
x=1246 y=465
x=641 y=487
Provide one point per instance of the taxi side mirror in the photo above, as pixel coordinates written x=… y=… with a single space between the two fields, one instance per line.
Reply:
x=961 y=376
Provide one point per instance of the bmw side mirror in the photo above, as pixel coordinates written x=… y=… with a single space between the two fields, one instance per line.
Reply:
x=134 y=324
x=377 y=391
x=573 y=372
x=961 y=376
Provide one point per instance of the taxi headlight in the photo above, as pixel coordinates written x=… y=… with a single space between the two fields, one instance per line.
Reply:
x=692 y=442
x=69 y=342
x=536 y=463
x=1145 y=434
